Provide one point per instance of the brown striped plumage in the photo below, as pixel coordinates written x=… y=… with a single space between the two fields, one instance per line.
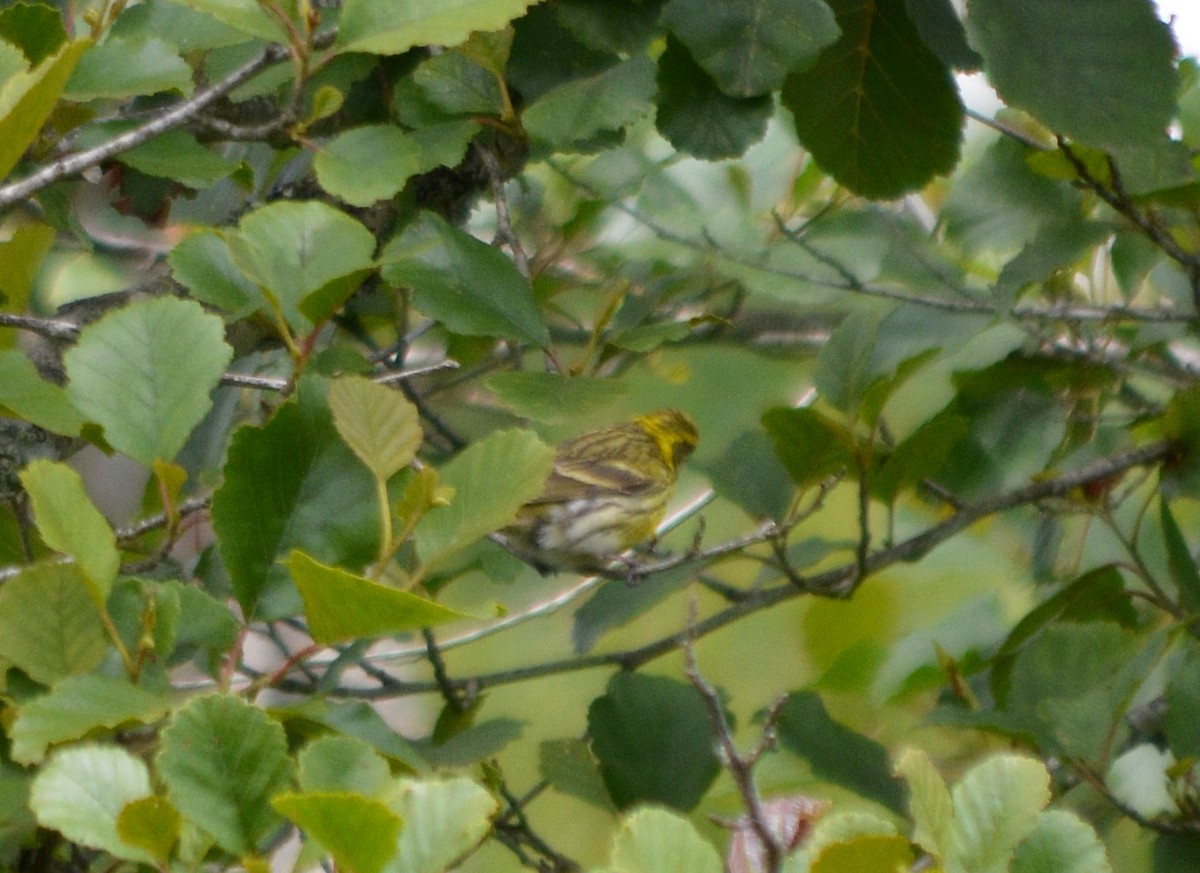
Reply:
x=608 y=492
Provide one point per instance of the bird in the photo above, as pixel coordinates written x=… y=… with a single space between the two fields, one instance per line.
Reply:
x=607 y=493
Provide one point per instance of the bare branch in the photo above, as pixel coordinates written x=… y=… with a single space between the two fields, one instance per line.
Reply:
x=178 y=115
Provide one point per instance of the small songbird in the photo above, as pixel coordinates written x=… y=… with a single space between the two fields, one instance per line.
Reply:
x=607 y=493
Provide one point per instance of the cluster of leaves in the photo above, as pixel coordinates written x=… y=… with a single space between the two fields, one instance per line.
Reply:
x=321 y=380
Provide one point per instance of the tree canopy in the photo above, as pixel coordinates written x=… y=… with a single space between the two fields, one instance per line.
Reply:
x=325 y=282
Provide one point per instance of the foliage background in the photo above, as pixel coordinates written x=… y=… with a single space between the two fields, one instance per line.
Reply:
x=323 y=280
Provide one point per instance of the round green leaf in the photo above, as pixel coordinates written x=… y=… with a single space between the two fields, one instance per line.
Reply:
x=359 y=832
x=749 y=46
x=1061 y=842
x=878 y=111
x=222 y=760
x=654 y=741
x=1127 y=100
x=308 y=255
x=152 y=824
x=201 y=262
x=80 y=793
x=49 y=624
x=996 y=805
x=145 y=373
x=696 y=117
x=367 y=163
x=442 y=820
x=661 y=841
x=378 y=423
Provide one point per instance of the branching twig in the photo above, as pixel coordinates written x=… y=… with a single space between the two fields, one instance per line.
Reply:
x=504 y=228
x=740 y=767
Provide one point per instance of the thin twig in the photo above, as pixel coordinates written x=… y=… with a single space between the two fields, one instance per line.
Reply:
x=504 y=228
x=51 y=328
x=740 y=767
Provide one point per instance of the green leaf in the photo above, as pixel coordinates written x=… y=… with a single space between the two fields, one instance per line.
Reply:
x=749 y=46
x=26 y=394
x=749 y=473
x=248 y=16
x=201 y=262
x=1000 y=204
x=151 y=824
x=69 y=522
x=1182 y=719
x=943 y=32
x=129 y=68
x=1055 y=247
x=342 y=763
x=309 y=256
x=359 y=832
x=366 y=164
x=570 y=767
x=491 y=479
x=222 y=760
x=466 y=284
x=1098 y=595
x=471 y=743
x=145 y=373
x=660 y=841
x=1060 y=842
x=613 y=26
x=1064 y=682
x=49 y=624
x=186 y=28
x=996 y=805
x=389 y=27
x=1179 y=559
x=35 y=27
x=552 y=398
x=917 y=457
x=846 y=364
x=443 y=819
x=378 y=423
x=653 y=738
x=929 y=803
x=865 y=854
x=76 y=706
x=21 y=256
x=836 y=753
x=878 y=112
x=28 y=98
x=1127 y=100
x=80 y=793
x=355 y=719
x=343 y=606
x=574 y=112
x=696 y=117
x=177 y=155
x=290 y=484
x=457 y=85
x=811 y=446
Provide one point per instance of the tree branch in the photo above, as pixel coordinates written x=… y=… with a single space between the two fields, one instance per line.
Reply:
x=839 y=582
